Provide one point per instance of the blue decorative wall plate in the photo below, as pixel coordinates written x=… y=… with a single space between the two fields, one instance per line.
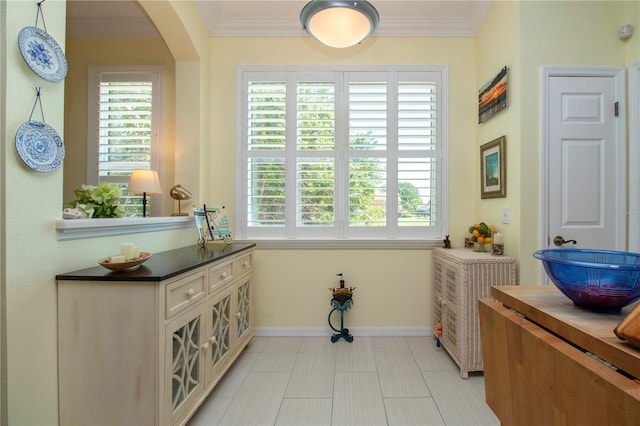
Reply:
x=39 y=146
x=43 y=54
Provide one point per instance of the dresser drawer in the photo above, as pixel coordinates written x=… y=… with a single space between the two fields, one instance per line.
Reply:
x=220 y=275
x=185 y=292
x=244 y=263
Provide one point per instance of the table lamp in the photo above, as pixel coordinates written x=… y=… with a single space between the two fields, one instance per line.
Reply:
x=144 y=182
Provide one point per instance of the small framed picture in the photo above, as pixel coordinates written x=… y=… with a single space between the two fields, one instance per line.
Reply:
x=493 y=169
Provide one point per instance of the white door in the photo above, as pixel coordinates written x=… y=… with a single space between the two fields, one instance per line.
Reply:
x=585 y=162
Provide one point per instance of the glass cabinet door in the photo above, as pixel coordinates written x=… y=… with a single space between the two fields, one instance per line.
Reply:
x=218 y=331
x=185 y=335
x=243 y=314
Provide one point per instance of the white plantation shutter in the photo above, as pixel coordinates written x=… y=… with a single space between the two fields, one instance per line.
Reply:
x=124 y=135
x=266 y=145
x=124 y=141
x=352 y=154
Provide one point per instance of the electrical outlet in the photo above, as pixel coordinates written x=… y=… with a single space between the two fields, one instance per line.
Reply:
x=506 y=213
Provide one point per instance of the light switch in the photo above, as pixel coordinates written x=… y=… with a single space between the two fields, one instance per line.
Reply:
x=506 y=213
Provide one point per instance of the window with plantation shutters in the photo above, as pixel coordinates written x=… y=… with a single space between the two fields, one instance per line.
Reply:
x=341 y=154
x=124 y=111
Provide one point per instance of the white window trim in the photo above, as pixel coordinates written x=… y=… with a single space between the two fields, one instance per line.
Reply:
x=284 y=242
x=155 y=73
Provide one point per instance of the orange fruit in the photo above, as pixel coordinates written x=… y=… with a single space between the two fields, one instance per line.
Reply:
x=476 y=233
x=487 y=240
x=481 y=240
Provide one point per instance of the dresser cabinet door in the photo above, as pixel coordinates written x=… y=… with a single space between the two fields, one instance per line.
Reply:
x=184 y=361
x=244 y=315
x=218 y=334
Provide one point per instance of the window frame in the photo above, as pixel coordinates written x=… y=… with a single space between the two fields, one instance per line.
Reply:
x=350 y=239
x=153 y=73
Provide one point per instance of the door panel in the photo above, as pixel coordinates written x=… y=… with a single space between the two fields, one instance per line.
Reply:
x=582 y=183
x=583 y=162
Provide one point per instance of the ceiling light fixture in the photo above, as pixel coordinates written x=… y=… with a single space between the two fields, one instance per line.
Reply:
x=339 y=23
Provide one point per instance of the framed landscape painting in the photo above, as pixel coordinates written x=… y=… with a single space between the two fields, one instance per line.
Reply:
x=492 y=97
x=493 y=169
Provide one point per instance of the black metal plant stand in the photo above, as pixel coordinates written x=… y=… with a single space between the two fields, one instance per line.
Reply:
x=341 y=301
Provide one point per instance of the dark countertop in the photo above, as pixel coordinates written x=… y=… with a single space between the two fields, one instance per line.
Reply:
x=161 y=266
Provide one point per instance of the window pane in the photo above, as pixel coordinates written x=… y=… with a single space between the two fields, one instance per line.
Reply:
x=367 y=191
x=316 y=116
x=315 y=192
x=266 y=192
x=266 y=109
x=416 y=116
x=124 y=127
x=124 y=135
x=417 y=191
x=367 y=116
x=342 y=153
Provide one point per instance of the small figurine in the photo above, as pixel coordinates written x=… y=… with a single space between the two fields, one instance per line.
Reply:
x=438 y=333
x=447 y=242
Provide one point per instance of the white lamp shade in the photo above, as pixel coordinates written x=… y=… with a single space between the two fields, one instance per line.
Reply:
x=339 y=24
x=142 y=181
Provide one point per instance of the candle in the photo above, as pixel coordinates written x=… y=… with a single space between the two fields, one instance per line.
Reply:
x=136 y=252
x=497 y=238
x=117 y=259
x=127 y=251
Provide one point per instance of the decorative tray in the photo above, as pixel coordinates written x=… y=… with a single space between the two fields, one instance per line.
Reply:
x=126 y=265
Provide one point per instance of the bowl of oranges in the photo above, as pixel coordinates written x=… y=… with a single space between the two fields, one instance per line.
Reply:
x=481 y=236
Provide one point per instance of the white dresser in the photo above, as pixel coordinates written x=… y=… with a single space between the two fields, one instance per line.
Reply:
x=460 y=278
x=146 y=346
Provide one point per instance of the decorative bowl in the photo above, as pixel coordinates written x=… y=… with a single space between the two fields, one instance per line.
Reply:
x=598 y=280
x=486 y=247
x=126 y=265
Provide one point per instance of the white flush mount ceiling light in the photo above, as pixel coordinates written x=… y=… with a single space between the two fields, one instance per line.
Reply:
x=339 y=23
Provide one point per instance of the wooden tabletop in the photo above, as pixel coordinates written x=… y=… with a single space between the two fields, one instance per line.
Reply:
x=591 y=331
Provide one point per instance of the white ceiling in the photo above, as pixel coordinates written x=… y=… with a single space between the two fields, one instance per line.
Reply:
x=266 y=18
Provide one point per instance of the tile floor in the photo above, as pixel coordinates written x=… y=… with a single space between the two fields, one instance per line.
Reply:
x=372 y=381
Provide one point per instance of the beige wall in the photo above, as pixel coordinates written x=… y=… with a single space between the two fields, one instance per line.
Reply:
x=377 y=274
x=590 y=40
x=531 y=34
x=498 y=45
x=83 y=53
x=33 y=255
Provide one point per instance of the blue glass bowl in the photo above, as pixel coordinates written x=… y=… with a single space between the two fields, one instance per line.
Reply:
x=598 y=280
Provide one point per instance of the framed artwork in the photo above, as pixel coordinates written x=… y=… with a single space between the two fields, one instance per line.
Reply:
x=493 y=169
x=492 y=97
x=212 y=224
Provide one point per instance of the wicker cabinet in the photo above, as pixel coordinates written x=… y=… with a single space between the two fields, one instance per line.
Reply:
x=146 y=347
x=460 y=278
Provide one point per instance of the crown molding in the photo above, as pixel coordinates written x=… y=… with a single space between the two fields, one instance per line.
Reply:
x=398 y=27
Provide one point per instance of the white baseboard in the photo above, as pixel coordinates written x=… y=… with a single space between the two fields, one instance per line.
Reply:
x=356 y=331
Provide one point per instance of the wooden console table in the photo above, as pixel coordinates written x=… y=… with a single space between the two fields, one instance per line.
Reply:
x=146 y=346
x=549 y=362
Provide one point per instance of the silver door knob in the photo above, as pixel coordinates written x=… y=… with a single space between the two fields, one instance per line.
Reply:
x=558 y=240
